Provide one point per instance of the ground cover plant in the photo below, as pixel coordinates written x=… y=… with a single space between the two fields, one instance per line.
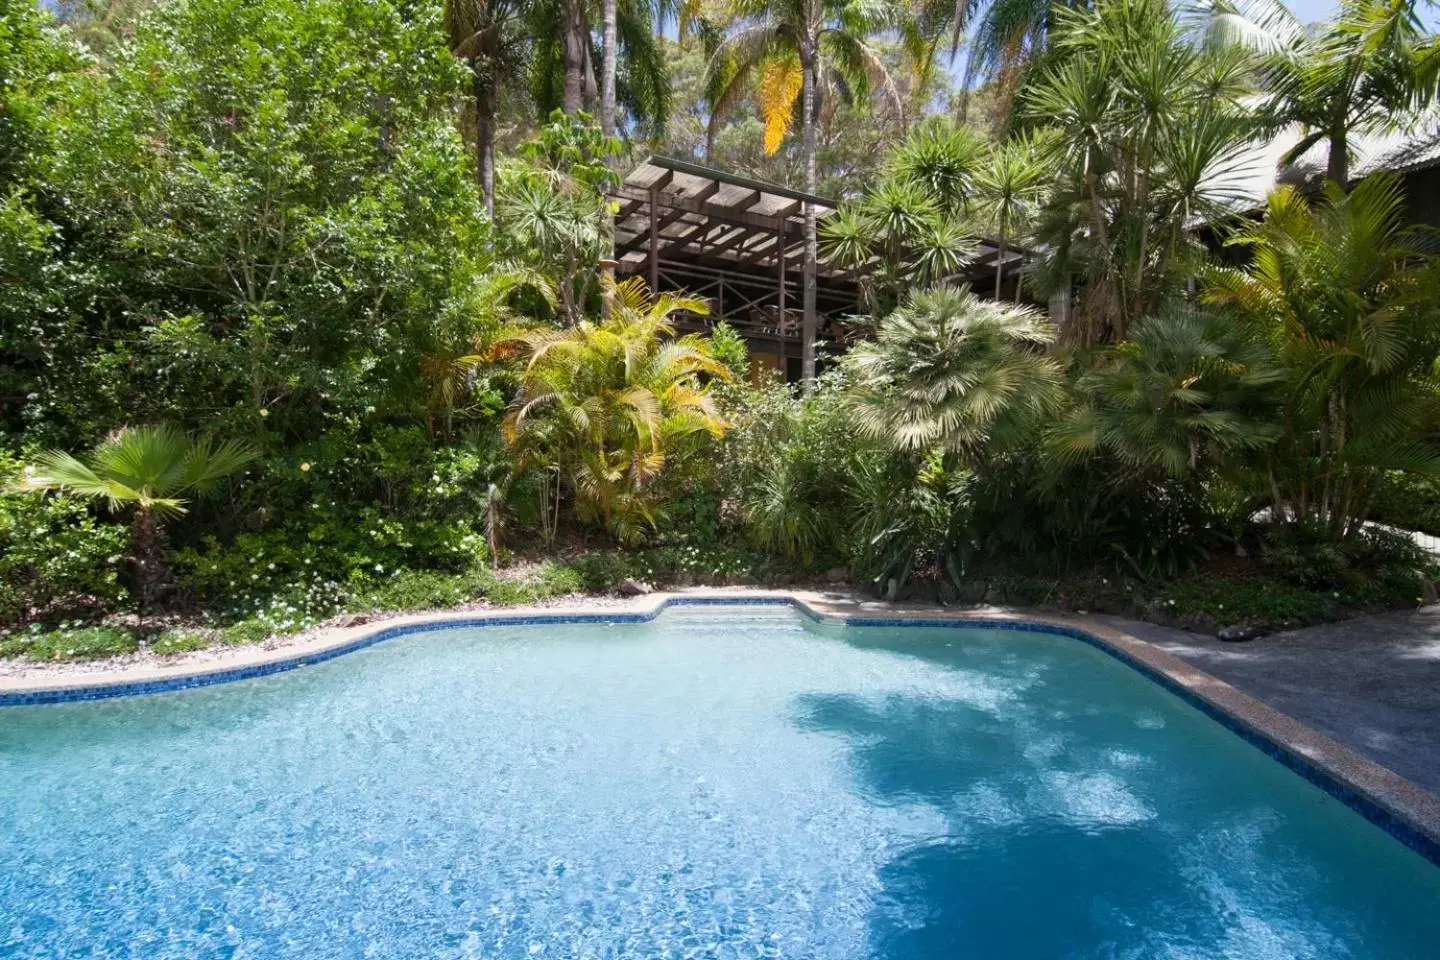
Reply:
x=307 y=309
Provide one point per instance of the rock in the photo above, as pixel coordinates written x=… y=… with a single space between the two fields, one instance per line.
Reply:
x=353 y=620
x=1242 y=632
x=994 y=594
x=837 y=575
x=630 y=587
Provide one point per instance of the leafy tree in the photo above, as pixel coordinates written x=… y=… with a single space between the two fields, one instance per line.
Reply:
x=953 y=373
x=610 y=402
x=284 y=221
x=1350 y=303
x=147 y=470
x=39 y=69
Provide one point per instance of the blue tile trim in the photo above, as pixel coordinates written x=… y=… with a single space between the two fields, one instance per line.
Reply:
x=1402 y=830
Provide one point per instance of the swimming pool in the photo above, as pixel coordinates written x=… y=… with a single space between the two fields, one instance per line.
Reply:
x=720 y=782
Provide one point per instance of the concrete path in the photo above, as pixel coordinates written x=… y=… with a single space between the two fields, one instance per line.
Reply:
x=1372 y=683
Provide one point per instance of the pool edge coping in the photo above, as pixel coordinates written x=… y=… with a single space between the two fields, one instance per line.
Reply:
x=1402 y=808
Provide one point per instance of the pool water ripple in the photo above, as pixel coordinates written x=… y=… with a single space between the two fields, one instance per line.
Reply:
x=717 y=783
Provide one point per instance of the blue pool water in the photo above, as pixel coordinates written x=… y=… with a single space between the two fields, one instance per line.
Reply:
x=718 y=783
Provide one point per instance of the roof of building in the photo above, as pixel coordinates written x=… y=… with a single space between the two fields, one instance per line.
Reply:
x=711 y=220
x=1407 y=150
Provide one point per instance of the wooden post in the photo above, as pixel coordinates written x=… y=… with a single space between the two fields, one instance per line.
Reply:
x=780 y=316
x=654 y=243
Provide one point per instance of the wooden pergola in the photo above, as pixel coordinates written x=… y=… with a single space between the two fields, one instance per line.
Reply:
x=740 y=243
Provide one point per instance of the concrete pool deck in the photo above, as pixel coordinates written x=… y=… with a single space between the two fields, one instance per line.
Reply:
x=1345 y=769
x=1372 y=683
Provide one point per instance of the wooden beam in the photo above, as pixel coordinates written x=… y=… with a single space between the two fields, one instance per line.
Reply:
x=742 y=218
x=763 y=252
x=744 y=203
x=654 y=244
x=675 y=213
x=730 y=233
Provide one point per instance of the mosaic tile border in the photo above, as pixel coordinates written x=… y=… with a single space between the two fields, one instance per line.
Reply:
x=1401 y=809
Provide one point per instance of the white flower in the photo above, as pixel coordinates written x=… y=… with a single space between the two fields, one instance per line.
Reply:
x=264 y=413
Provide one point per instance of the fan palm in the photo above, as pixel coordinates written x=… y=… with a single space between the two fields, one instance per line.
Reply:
x=1188 y=389
x=951 y=372
x=613 y=400
x=784 y=50
x=148 y=470
x=1351 y=304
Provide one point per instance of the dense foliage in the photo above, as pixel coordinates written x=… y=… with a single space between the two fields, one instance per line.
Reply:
x=317 y=295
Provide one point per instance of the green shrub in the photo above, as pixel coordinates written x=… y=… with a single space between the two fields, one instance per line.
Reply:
x=1410 y=501
x=56 y=558
x=1306 y=555
x=182 y=640
x=69 y=643
x=246 y=631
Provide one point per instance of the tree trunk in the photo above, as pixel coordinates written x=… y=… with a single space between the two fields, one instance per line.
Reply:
x=1000 y=261
x=607 y=70
x=1338 y=166
x=812 y=243
x=484 y=133
x=150 y=570
x=574 y=58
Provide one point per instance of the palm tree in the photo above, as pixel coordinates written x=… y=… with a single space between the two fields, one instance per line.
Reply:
x=1146 y=133
x=902 y=230
x=553 y=210
x=945 y=159
x=1351 y=304
x=613 y=400
x=488 y=35
x=1009 y=186
x=953 y=373
x=453 y=375
x=1189 y=389
x=786 y=49
x=1001 y=37
x=564 y=54
x=149 y=470
x=1369 y=70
